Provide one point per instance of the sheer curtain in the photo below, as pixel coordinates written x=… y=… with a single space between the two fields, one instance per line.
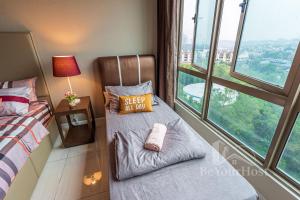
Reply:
x=167 y=33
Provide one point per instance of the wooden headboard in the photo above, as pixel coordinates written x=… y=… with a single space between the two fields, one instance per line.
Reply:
x=19 y=60
x=129 y=71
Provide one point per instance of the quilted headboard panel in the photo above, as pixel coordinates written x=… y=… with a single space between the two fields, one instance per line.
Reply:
x=128 y=71
x=18 y=60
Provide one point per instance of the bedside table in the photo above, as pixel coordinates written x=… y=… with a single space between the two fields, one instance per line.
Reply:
x=77 y=134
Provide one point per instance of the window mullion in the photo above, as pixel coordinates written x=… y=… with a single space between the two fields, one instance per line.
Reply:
x=281 y=136
x=198 y=74
x=239 y=35
x=212 y=55
x=179 y=46
x=195 y=30
x=255 y=92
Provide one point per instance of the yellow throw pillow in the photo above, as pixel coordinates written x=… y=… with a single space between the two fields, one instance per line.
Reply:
x=138 y=103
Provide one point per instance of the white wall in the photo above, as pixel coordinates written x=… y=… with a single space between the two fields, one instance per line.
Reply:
x=85 y=28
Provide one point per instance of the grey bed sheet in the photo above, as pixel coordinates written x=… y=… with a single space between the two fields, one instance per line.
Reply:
x=203 y=179
x=181 y=143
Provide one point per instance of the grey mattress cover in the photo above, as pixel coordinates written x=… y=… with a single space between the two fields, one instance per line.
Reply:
x=191 y=180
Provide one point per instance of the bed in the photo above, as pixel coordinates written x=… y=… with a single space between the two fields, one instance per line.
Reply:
x=196 y=179
x=26 y=140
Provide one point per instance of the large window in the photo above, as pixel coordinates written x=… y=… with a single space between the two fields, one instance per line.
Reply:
x=250 y=120
x=247 y=92
x=187 y=33
x=191 y=90
x=268 y=42
x=205 y=18
x=226 y=40
x=290 y=160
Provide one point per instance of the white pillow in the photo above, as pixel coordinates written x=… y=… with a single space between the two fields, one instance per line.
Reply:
x=14 y=101
x=140 y=89
x=30 y=83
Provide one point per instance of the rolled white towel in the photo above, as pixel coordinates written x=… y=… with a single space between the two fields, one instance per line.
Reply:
x=155 y=139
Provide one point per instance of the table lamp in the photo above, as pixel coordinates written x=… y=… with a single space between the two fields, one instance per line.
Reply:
x=65 y=66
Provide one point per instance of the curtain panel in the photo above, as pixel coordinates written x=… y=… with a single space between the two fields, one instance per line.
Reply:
x=167 y=33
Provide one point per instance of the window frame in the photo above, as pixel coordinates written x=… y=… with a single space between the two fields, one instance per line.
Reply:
x=200 y=68
x=278 y=156
x=254 y=92
x=201 y=73
x=286 y=99
x=192 y=73
x=251 y=80
x=295 y=112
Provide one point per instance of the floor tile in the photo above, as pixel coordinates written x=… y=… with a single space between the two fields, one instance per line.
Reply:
x=101 y=135
x=82 y=149
x=69 y=169
x=58 y=152
x=76 y=179
x=48 y=182
x=101 y=196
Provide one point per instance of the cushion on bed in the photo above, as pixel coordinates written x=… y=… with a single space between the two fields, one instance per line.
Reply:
x=140 y=89
x=131 y=159
x=106 y=99
x=133 y=104
x=15 y=101
x=29 y=83
x=1 y=107
x=111 y=102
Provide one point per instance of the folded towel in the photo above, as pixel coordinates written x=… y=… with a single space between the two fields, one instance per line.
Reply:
x=155 y=139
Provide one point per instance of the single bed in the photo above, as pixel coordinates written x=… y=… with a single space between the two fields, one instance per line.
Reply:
x=26 y=140
x=209 y=178
x=19 y=137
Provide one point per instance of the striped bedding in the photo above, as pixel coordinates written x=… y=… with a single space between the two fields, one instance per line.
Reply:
x=41 y=111
x=19 y=136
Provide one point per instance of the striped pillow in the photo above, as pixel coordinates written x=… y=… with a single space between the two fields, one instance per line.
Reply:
x=14 y=101
x=114 y=103
x=30 y=83
x=111 y=102
x=1 y=107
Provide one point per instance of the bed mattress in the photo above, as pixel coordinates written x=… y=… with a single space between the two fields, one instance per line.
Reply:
x=19 y=137
x=205 y=179
x=40 y=110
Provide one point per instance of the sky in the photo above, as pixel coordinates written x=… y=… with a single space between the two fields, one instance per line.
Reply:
x=273 y=20
x=188 y=23
x=266 y=20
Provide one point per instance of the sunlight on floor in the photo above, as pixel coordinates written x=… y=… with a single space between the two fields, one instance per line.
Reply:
x=75 y=173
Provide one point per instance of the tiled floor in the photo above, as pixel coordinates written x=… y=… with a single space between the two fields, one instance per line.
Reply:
x=67 y=174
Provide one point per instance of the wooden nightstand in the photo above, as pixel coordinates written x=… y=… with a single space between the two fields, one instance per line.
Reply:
x=77 y=134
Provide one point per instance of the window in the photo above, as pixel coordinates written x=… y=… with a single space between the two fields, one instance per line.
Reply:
x=255 y=75
x=191 y=90
x=187 y=34
x=289 y=162
x=266 y=50
x=191 y=81
x=226 y=40
x=205 y=18
x=250 y=120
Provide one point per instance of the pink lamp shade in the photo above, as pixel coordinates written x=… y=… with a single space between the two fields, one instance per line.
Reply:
x=65 y=66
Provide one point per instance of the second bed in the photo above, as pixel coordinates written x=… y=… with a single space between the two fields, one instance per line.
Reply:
x=209 y=178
